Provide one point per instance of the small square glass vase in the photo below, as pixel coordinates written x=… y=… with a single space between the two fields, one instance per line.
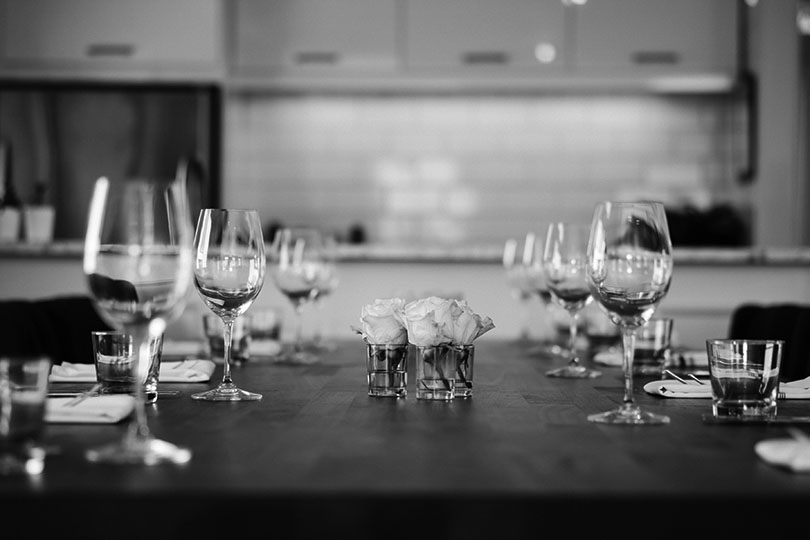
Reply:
x=435 y=373
x=387 y=370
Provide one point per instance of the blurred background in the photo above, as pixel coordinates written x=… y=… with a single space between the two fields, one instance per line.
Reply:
x=450 y=122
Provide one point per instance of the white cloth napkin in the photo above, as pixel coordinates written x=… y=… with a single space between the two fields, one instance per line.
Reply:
x=668 y=388
x=790 y=453
x=107 y=409
x=179 y=348
x=189 y=370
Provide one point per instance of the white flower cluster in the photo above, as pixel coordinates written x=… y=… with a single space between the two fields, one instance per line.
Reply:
x=427 y=322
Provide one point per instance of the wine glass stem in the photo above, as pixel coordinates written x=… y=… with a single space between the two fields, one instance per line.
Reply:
x=299 y=336
x=138 y=428
x=226 y=373
x=317 y=336
x=572 y=338
x=628 y=350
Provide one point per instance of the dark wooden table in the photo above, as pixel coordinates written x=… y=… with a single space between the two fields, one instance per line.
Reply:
x=318 y=457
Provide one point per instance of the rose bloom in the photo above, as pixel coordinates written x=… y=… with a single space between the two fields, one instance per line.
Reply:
x=380 y=323
x=464 y=324
x=425 y=320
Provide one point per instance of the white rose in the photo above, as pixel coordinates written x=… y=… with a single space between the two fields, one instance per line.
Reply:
x=380 y=323
x=425 y=320
x=465 y=325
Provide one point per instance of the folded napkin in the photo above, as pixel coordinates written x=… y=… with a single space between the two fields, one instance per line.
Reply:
x=189 y=370
x=107 y=409
x=790 y=453
x=681 y=359
x=179 y=348
x=668 y=388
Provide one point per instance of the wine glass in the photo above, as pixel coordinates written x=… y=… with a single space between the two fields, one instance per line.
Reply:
x=298 y=269
x=565 y=264
x=629 y=270
x=328 y=282
x=229 y=268
x=515 y=264
x=137 y=260
x=532 y=282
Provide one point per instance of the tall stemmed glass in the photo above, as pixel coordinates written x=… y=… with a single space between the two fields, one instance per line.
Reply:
x=298 y=268
x=137 y=260
x=516 y=262
x=327 y=284
x=229 y=268
x=565 y=263
x=629 y=270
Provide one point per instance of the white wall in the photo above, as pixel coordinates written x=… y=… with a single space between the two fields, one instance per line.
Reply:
x=701 y=297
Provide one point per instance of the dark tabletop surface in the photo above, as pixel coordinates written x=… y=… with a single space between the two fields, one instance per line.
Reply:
x=317 y=456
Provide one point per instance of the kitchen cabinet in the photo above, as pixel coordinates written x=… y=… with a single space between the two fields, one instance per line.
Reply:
x=111 y=39
x=483 y=44
x=314 y=38
x=643 y=38
x=471 y=37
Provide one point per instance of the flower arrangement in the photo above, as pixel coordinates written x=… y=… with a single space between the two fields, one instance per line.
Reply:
x=427 y=322
x=438 y=326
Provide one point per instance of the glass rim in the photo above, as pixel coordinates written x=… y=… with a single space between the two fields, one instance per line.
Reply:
x=740 y=341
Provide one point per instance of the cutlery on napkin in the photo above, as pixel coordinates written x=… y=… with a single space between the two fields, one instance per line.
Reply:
x=107 y=409
x=670 y=388
x=189 y=370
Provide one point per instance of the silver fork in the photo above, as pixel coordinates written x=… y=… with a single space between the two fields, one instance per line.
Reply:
x=84 y=395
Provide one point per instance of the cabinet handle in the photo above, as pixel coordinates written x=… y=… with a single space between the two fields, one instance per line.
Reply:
x=656 y=57
x=110 y=49
x=317 y=57
x=485 y=57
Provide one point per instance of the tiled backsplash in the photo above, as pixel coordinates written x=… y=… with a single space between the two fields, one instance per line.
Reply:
x=472 y=169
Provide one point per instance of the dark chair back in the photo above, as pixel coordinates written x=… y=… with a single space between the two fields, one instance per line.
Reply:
x=788 y=322
x=57 y=327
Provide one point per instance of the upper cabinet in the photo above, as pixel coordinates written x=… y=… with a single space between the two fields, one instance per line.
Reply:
x=475 y=37
x=306 y=40
x=661 y=40
x=377 y=44
x=684 y=45
x=112 y=39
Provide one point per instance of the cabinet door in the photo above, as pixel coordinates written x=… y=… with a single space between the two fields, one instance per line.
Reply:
x=314 y=36
x=469 y=35
x=77 y=35
x=656 y=36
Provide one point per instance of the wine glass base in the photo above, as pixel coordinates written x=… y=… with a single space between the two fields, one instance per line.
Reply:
x=226 y=392
x=629 y=416
x=574 y=372
x=148 y=451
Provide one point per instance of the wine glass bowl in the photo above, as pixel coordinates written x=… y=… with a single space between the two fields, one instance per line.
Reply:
x=137 y=261
x=565 y=264
x=630 y=270
x=229 y=269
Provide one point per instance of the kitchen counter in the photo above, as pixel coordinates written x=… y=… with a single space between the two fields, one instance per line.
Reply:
x=707 y=285
x=469 y=254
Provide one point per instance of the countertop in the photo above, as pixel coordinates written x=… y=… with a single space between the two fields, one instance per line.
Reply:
x=467 y=254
